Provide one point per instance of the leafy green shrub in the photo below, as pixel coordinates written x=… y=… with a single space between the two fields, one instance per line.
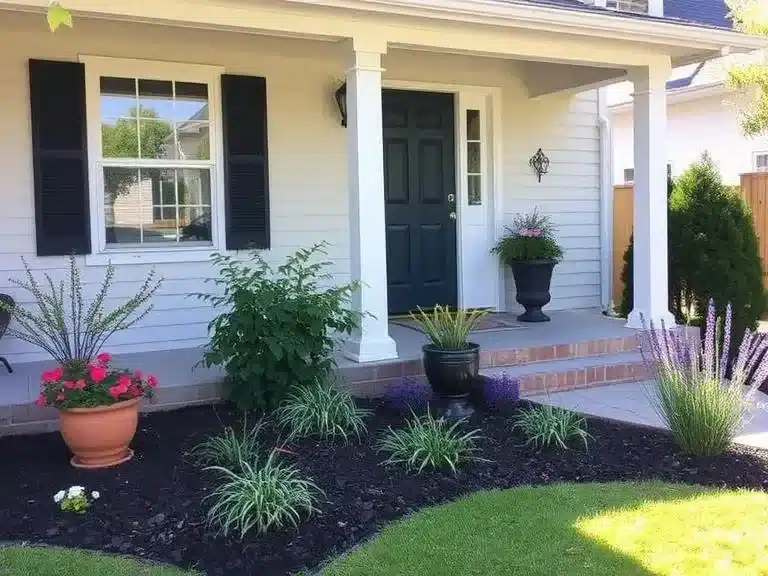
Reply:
x=448 y=330
x=531 y=237
x=277 y=328
x=427 y=442
x=544 y=425
x=263 y=495
x=231 y=447
x=321 y=410
x=713 y=250
x=717 y=254
x=703 y=407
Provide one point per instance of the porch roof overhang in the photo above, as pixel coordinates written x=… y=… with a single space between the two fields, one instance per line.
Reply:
x=683 y=41
x=558 y=49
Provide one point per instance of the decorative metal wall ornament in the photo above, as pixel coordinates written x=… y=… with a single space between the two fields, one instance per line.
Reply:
x=341 y=102
x=540 y=163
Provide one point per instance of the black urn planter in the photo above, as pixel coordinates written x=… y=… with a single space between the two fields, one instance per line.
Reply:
x=453 y=375
x=532 y=280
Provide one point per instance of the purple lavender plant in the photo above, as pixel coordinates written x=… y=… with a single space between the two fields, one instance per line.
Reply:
x=701 y=395
x=500 y=389
x=408 y=395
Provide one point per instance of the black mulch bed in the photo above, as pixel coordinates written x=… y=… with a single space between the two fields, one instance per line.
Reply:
x=151 y=507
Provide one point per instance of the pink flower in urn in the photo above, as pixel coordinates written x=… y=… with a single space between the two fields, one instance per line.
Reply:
x=41 y=401
x=525 y=232
x=152 y=381
x=104 y=358
x=536 y=232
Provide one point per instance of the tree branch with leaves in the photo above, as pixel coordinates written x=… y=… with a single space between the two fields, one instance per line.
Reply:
x=58 y=16
x=749 y=81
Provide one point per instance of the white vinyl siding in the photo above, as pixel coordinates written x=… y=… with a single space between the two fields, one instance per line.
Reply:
x=307 y=160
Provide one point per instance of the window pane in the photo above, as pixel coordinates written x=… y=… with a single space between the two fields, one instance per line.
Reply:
x=195 y=224
x=191 y=101
x=473 y=124
x=473 y=185
x=156 y=99
x=193 y=141
x=122 y=215
x=155 y=182
x=118 y=97
x=194 y=186
x=119 y=138
x=156 y=138
x=473 y=158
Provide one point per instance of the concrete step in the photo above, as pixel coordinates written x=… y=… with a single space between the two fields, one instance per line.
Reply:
x=571 y=373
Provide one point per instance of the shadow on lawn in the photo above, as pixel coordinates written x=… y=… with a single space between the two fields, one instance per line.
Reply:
x=561 y=529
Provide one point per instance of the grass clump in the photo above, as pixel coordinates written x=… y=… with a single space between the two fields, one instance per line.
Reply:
x=448 y=330
x=321 y=410
x=231 y=448
x=702 y=393
x=429 y=442
x=264 y=495
x=544 y=426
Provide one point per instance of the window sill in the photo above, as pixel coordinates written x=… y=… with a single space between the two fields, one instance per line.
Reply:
x=124 y=257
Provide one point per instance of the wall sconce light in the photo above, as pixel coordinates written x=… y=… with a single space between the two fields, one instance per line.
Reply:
x=540 y=163
x=341 y=102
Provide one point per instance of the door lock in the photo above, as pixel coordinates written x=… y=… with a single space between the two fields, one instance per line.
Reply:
x=451 y=198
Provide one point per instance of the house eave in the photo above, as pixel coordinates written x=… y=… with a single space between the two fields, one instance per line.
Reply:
x=705 y=41
x=678 y=95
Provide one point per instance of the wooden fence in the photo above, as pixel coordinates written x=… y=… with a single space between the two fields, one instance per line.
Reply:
x=754 y=190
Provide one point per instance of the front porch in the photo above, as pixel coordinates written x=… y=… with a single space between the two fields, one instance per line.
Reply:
x=578 y=348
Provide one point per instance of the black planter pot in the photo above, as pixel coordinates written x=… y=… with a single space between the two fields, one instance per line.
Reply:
x=532 y=280
x=453 y=375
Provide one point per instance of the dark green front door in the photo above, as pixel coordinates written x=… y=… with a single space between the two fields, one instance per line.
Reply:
x=420 y=193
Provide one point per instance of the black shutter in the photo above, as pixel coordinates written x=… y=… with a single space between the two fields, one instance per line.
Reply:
x=60 y=157
x=244 y=109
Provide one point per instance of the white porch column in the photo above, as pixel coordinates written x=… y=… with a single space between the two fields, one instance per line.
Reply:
x=365 y=157
x=651 y=268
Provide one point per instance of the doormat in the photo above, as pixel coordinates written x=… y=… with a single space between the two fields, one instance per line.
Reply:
x=488 y=323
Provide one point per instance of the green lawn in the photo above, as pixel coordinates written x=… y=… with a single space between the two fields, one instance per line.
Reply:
x=574 y=529
x=45 y=561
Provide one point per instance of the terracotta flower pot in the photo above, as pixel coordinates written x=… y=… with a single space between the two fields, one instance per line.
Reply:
x=100 y=437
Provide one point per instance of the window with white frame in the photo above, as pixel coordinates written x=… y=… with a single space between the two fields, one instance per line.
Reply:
x=474 y=159
x=760 y=161
x=154 y=167
x=638 y=6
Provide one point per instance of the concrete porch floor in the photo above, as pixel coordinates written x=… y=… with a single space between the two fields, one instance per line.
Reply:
x=629 y=402
x=566 y=326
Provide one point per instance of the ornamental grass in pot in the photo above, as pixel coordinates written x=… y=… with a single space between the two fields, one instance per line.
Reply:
x=98 y=404
x=451 y=362
x=530 y=249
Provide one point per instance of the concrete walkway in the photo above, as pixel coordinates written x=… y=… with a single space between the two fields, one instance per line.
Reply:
x=629 y=402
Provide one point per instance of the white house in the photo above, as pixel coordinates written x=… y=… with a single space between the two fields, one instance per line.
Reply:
x=446 y=102
x=702 y=115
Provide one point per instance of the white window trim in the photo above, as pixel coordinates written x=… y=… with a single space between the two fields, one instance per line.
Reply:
x=95 y=68
x=755 y=154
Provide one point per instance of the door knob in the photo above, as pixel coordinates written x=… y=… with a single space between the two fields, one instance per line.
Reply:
x=452 y=215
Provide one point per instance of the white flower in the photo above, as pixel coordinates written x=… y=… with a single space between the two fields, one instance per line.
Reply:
x=95 y=495
x=59 y=496
x=75 y=491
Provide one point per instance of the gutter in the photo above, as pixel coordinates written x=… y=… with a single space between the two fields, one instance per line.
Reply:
x=606 y=203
